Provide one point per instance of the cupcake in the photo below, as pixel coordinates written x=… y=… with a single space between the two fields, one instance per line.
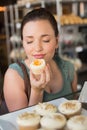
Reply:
x=78 y=122
x=53 y=121
x=70 y=108
x=37 y=66
x=45 y=108
x=45 y=129
x=28 y=121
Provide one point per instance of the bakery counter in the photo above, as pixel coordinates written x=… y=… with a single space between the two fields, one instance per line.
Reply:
x=8 y=121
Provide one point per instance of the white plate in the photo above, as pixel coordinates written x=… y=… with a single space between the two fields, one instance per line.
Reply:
x=5 y=125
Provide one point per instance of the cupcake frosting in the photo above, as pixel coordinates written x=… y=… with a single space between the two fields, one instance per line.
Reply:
x=37 y=66
x=45 y=108
x=53 y=121
x=70 y=107
x=77 y=123
x=28 y=118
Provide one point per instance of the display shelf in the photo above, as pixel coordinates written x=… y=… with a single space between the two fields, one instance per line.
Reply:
x=65 y=25
x=72 y=1
x=74 y=25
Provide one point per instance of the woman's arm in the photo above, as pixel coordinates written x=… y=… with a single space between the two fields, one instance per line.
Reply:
x=14 y=91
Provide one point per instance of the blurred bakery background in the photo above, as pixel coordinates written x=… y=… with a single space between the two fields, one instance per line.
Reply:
x=71 y=16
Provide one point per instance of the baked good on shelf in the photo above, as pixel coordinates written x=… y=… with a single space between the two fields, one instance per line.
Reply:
x=45 y=129
x=70 y=108
x=78 y=122
x=37 y=66
x=28 y=121
x=53 y=121
x=45 y=108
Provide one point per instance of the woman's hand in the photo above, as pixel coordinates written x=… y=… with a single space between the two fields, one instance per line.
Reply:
x=39 y=82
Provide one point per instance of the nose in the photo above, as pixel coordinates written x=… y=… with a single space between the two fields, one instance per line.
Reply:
x=38 y=46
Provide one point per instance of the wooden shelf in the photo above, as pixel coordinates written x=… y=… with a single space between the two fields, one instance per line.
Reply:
x=74 y=25
x=72 y=1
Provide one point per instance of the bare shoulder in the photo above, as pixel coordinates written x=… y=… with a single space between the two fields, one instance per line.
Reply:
x=12 y=78
x=12 y=74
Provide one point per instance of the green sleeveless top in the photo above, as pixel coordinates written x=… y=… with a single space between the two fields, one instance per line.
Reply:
x=67 y=70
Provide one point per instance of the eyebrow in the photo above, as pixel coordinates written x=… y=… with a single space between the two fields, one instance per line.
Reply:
x=29 y=36
x=45 y=35
x=41 y=36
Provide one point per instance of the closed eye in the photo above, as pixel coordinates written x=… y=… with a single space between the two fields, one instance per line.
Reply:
x=46 y=40
x=29 y=42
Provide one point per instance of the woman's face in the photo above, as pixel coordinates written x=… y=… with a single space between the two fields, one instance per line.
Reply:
x=39 y=40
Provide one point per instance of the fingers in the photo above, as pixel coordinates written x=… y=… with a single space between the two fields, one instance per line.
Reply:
x=47 y=73
x=43 y=78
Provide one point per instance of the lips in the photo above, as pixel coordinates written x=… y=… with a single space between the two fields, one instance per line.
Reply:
x=39 y=56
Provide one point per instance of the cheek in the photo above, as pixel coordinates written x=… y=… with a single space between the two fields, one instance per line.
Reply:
x=52 y=46
x=51 y=49
x=27 y=49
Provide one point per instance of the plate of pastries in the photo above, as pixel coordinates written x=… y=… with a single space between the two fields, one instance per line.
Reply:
x=47 y=116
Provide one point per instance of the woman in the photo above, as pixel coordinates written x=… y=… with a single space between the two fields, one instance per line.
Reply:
x=39 y=35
